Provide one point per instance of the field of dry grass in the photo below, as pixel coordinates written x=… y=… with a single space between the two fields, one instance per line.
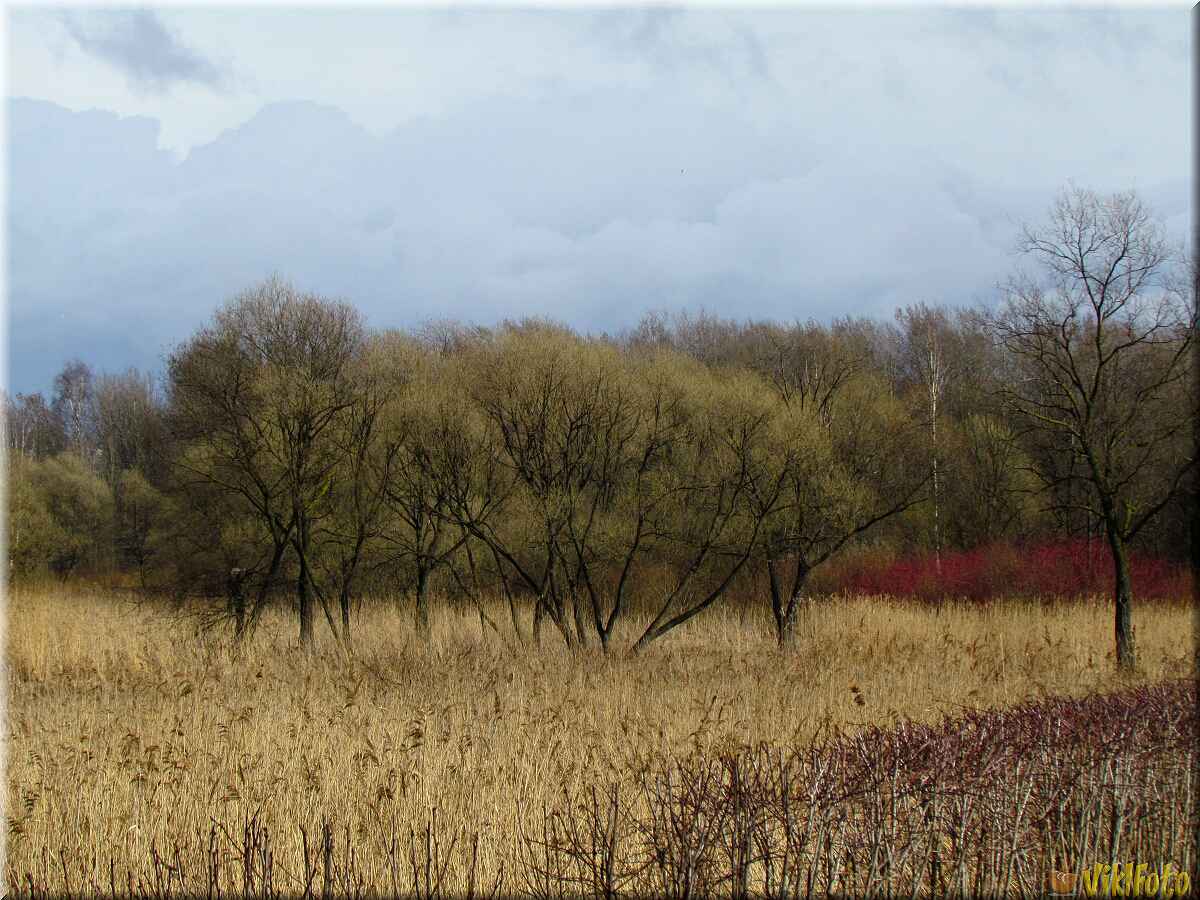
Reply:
x=134 y=742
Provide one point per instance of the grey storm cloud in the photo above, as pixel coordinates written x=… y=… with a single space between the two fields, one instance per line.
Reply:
x=782 y=166
x=137 y=43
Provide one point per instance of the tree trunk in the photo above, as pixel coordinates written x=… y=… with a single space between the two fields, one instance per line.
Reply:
x=539 y=610
x=658 y=627
x=237 y=603
x=304 y=601
x=776 y=599
x=264 y=588
x=935 y=389
x=1123 y=595
x=515 y=618
x=556 y=608
x=422 y=610
x=937 y=512
x=345 y=592
x=786 y=612
x=783 y=613
x=581 y=623
x=344 y=602
x=558 y=615
x=787 y=627
x=508 y=593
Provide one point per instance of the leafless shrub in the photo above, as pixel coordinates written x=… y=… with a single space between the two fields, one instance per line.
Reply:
x=985 y=803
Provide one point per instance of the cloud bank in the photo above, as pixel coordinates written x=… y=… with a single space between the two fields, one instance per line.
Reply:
x=786 y=166
x=138 y=44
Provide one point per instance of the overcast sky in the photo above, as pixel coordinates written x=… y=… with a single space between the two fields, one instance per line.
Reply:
x=588 y=165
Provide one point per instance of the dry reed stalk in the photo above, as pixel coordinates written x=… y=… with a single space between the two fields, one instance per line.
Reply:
x=131 y=737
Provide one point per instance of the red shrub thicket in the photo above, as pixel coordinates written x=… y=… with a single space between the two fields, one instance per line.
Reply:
x=1067 y=569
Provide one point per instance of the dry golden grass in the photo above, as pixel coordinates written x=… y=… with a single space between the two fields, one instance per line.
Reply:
x=127 y=730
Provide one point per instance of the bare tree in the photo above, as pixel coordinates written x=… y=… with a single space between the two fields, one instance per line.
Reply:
x=461 y=458
x=355 y=503
x=420 y=429
x=1103 y=370
x=808 y=364
x=543 y=396
x=924 y=334
x=129 y=425
x=32 y=428
x=259 y=396
x=223 y=449
x=725 y=483
x=850 y=463
x=74 y=406
x=989 y=485
x=845 y=450
x=611 y=464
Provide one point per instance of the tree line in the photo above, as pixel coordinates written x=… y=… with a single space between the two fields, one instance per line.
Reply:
x=290 y=450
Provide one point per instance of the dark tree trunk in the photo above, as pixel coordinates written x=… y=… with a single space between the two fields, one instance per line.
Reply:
x=345 y=592
x=558 y=615
x=776 y=597
x=422 y=610
x=508 y=593
x=658 y=627
x=1123 y=610
x=581 y=623
x=539 y=610
x=304 y=599
x=557 y=609
x=516 y=621
x=785 y=610
x=786 y=628
x=344 y=602
x=237 y=603
x=264 y=587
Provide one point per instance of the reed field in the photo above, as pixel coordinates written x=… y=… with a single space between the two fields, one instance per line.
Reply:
x=145 y=757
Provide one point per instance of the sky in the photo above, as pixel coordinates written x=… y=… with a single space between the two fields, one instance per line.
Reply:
x=585 y=164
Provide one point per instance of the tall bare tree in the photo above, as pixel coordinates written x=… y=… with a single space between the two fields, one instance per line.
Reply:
x=990 y=492
x=924 y=335
x=420 y=429
x=850 y=465
x=129 y=426
x=223 y=449
x=1101 y=346
x=74 y=405
x=613 y=463
x=259 y=395
x=544 y=394
x=32 y=428
x=355 y=503
x=725 y=483
x=845 y=450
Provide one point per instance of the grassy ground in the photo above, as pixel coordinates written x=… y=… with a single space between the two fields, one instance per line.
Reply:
x=131 y=735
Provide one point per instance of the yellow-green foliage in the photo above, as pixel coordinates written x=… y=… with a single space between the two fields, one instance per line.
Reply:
x=60 y=513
